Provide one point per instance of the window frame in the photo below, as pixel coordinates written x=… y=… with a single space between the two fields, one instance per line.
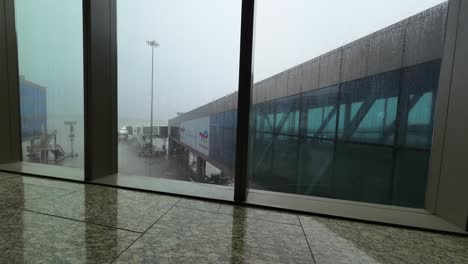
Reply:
x=446 y=200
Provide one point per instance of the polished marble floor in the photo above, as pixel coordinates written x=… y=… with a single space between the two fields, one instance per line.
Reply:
x=51 y=221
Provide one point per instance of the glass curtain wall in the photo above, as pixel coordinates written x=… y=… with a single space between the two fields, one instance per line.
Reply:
x=343 y=100
x=178 y=64
x=50 y=56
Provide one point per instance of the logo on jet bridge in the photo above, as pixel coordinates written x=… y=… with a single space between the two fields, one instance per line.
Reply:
x=204 y=136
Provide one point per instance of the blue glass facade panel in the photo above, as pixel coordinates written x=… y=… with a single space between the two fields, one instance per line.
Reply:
x=223 y=138
x=419 y=93
x=368 y=109
x=287 y=115
x=33 y=109
x=319 y=111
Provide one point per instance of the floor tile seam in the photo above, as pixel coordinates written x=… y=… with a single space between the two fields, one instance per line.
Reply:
x=264 y=220
x=50 y=187
x=180 y=199
x=123 y=251
x=20 y=205
x=307 y=240
x=159 y=206
x=196 y=209
x=162 y=208
x=60 y=196
x=128 y=194
x=252 y=218
x=82 y=221
x=37 y=185
x=141 y=234
x=159 y=218
x=368 y=227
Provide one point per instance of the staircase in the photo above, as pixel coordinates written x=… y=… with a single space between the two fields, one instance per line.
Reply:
x=39 y=151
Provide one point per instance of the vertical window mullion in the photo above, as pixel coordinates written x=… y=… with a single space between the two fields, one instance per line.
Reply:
x=244 y=101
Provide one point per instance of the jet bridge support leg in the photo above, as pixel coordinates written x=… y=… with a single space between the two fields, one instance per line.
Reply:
x=201 y=168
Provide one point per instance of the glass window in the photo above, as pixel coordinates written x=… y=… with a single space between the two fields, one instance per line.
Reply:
x=418 y=104
x=411 y=168
x=363 y=173
x=319 y=110
x=50 y=56
x=366 y=110
x=287 y=116
x=353 y=112
x=315 y=167
x=265 y=117
x=178 y=64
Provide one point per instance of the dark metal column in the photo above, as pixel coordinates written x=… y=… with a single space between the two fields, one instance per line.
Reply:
x=100 y=92
x=10 y=132
x=244 y=100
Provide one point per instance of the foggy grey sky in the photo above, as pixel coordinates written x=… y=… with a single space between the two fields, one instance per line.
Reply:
x=50 y=51
x=198 y=58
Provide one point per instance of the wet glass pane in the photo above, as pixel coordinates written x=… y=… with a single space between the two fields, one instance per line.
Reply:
x=367 y=114
x=283 y=177
x=315 y=167
x=260 y=158
x=50 y=56
x=342 y=117
x=287 y=116
x=178 y=65
x=411 y=168
x=363 y=173
x=319 y=112
x=418 y=104
x=265 y=117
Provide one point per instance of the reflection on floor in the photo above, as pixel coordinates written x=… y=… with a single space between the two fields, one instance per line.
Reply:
x=47 y=221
